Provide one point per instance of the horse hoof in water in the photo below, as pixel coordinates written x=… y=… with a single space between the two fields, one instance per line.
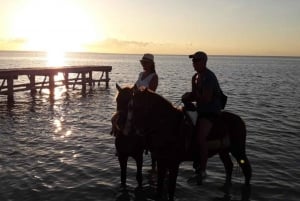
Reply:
x=123 y=187
x=199 y=180
x=200 y=177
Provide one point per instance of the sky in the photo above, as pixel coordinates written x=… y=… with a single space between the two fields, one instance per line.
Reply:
x=224 y=27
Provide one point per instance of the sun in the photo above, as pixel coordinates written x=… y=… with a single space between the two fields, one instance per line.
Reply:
x=55 y=26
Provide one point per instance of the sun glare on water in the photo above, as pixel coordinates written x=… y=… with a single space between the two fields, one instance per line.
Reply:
x=55 y=58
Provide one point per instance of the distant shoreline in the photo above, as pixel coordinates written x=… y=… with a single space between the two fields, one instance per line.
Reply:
x=221 y=55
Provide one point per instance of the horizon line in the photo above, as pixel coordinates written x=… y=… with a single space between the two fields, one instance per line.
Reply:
x=158 y=54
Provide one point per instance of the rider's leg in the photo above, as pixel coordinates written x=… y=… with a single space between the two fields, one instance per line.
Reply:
x=203 y=128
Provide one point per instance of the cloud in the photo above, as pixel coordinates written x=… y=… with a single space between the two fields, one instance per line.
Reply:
x=113 y=45
x=117 y=46
x=12 y=44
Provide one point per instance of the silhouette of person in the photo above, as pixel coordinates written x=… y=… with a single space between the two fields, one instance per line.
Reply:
x=148 y=78
x=206 y=92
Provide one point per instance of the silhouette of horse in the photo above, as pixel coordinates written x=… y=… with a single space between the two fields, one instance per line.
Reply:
x=127 y=144
x=171 y=138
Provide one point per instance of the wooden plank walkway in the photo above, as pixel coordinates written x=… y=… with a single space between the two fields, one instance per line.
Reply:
x=84 y=77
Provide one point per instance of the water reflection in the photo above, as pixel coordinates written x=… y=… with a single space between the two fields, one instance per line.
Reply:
x=58 y=128
x=245 y=192
x=148 y=193
x=139 y=194
x=57 y=124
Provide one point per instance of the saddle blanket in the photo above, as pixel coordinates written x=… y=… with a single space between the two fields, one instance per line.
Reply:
x=212 y=144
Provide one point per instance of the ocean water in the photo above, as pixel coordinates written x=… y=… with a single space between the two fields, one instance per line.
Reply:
x=63 y=150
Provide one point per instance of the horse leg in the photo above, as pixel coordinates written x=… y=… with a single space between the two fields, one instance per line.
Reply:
x=123 y=165
x=161 y=173
x=173 y=173
x=153 y=163
x=139 y=165
x=247 y=170
x=225 y=157
x=244 y=164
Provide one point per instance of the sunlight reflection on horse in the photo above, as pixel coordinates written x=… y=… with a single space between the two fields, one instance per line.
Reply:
x=171 y=138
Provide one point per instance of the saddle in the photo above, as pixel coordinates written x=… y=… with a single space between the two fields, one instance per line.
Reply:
x=214 y=142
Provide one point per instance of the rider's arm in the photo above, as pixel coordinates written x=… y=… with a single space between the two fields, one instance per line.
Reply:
x=153 y=83
x=205 y=96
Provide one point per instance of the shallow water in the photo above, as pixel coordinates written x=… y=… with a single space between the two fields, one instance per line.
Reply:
x=63 y=151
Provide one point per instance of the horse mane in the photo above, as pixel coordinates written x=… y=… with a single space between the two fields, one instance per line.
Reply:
x=123 y=89
x=160 y=102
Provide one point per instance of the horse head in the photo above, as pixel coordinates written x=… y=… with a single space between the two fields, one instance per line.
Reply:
x=119 y=118
x=123 y=98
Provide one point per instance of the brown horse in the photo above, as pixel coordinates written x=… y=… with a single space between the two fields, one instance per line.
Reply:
x=169 y=131
x=127 y=145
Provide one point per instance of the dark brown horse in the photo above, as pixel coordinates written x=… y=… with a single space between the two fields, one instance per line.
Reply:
x=127 y=144
x=170 y=137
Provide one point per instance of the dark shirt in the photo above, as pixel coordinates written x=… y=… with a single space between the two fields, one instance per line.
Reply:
x=209 y=80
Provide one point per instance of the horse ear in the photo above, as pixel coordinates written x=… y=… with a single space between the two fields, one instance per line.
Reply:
x=118 y=87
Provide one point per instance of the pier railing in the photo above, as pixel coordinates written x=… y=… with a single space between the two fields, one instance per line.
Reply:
x=84 y=77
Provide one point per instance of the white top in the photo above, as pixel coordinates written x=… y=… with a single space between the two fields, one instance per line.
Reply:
x=145 y=82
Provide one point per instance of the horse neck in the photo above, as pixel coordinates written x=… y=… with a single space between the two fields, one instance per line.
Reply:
x=163 y=107
x=168 y=116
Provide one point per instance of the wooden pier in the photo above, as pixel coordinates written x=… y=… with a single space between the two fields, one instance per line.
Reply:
x=84 y=77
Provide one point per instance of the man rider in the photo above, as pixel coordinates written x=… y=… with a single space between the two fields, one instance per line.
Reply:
x=206 y=93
